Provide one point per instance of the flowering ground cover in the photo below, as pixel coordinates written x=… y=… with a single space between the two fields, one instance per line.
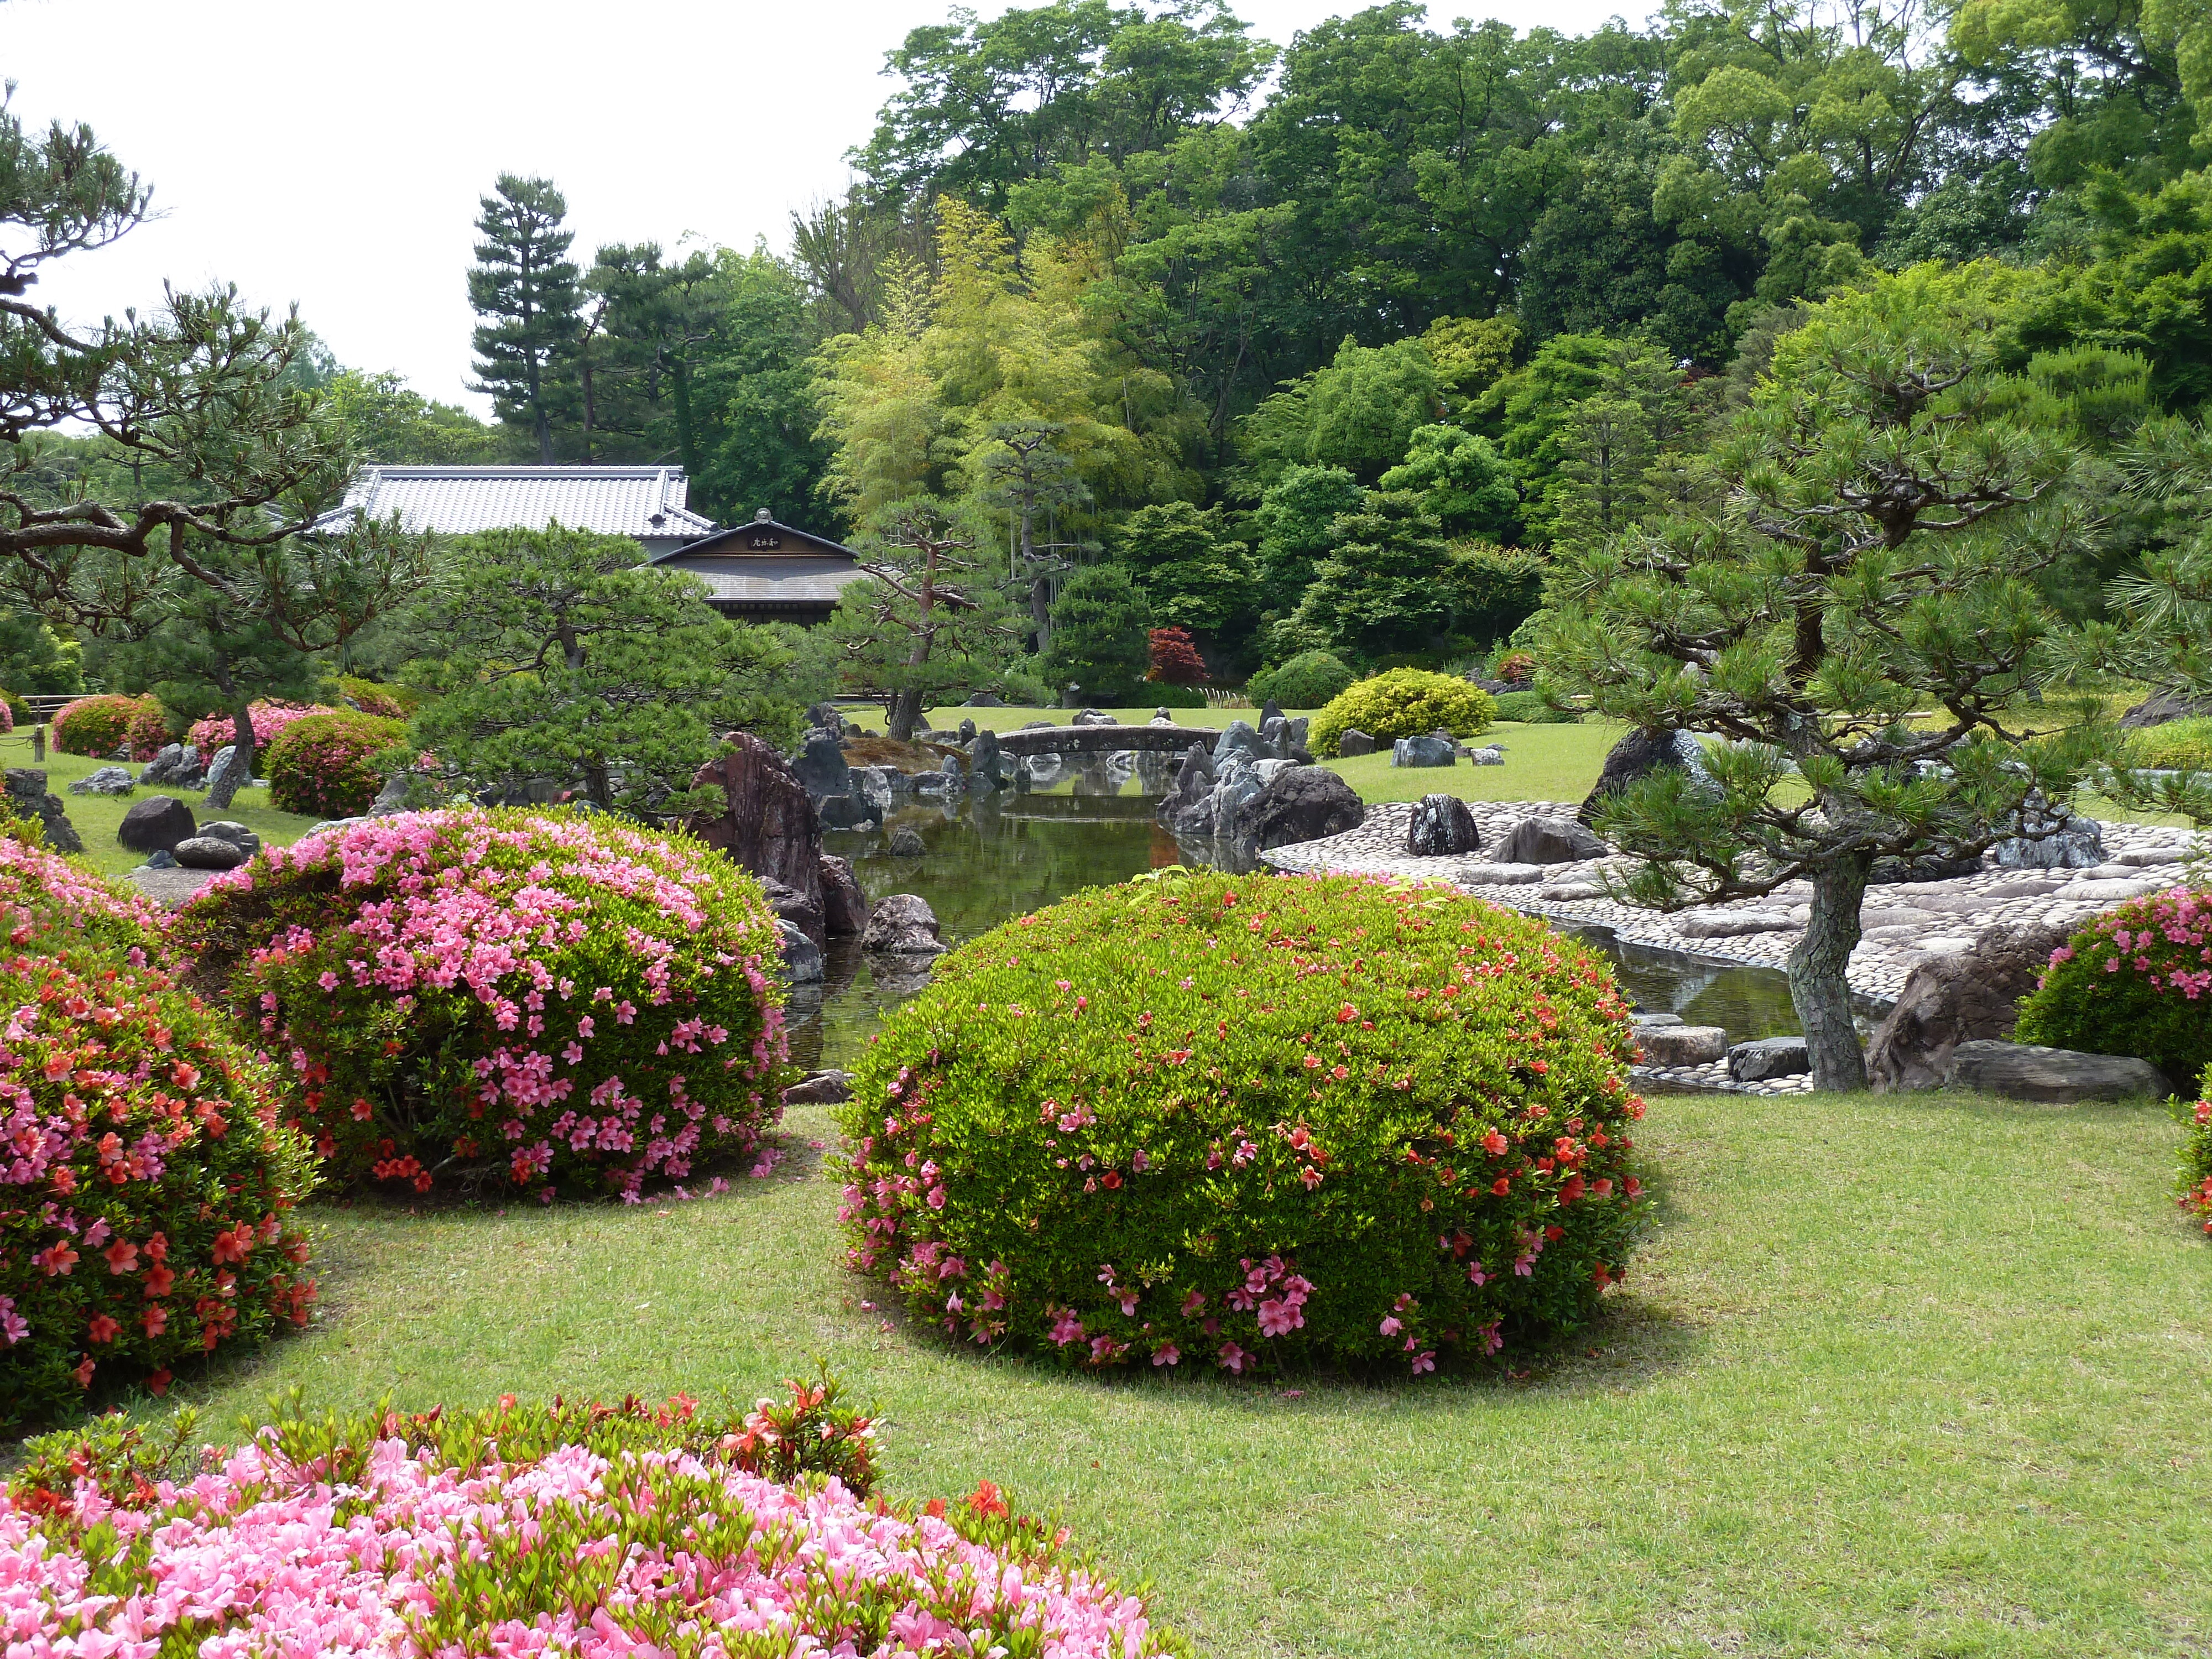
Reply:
x=1894 y=1376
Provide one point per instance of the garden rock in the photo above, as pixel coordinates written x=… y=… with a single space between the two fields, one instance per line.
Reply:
x=2164 y=707
x=1092 y=717
x=802 y=956
x=1768 y=1057
x=845 y=811
x=1237 y=735
x=1502 y=875
x=1493 y=755
x=1968 y=997
x=821 y=768
x=1269 y=710
x=1297 y=804
x=831 y=1087
x=1681 y=1045
x=1187 y=810
x=1353 y=741
x=1549 y=840
x=27 y=798
x=1423 y=751
x=219 y=773
x=177 y=767
x=158 y=823
x=104 y=781
x=1442 y=825
x=1929 y=867
x=768 y=823
x=802 y=910
x=2057 y=839
x=208 y=853
x=247 y=842
x=1732 y=924
x=1638 y=753
x=907 y=843
x=160 y=859
x=903 y=925
x=986 y=766
x=2025 y=1071
x=392 y=798
x=844 y=906
x=2112 y=891
x=985 y=700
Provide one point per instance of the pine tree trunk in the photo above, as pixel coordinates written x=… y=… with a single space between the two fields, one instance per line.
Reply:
x=1817 y=987
x=905 y=715
x=241 y=764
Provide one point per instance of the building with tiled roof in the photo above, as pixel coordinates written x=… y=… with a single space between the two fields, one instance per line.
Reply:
x=645 y=503
x=764 y=571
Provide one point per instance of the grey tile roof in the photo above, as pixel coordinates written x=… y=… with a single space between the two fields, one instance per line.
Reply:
x=767 y=579
x=645 y=502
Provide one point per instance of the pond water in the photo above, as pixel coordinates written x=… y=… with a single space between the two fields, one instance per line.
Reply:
x=1002 y=856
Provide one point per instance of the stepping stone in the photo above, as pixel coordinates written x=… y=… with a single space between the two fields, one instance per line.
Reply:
x=1681 y=1045
x=1732 y=924
x=2025 y=1071
x=2112 y=892
x=1502 y=875
x=1768 y=1057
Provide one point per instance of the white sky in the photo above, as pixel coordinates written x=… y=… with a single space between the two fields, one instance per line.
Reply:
x=332 y=152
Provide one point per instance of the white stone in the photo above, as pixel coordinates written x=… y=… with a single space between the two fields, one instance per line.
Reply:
x=2111 y=892
x=1503 y=875
x=2145 y=855
x=1729 y=924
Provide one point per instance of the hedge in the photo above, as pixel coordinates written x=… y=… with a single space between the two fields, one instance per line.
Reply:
x=1242 y=1121
x=322 y=765
x=537 y=998
x=1312 y=679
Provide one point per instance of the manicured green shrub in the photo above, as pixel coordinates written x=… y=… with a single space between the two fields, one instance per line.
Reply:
x=2177 y=746
x=1403 y=703
x=94 y=726
x=148 y=731
x=2136 y=979
x=151 y=1183
x=322 y=766
x=1245 y=1120
x=1310 y=680
x=386 y=702
x=1158 y=694
x=532 y=998
x=1530 y=709
x=2196 y=1152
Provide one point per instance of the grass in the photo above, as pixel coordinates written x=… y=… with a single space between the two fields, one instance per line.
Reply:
x=97 y=817
x=1922 y=1376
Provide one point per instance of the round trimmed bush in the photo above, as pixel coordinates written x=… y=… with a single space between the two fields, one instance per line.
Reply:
x=2136 y=979
x=1164 y=693
x=145 y=1200
x=49 y=904
x=147 y=729
x=7 y=713
x=1312 y=679
x=534 y=998
x=1235 y=1121
x=386 y=702
x=321 y=765
x=213 y=731
x=1403 y=703
x=94 y=727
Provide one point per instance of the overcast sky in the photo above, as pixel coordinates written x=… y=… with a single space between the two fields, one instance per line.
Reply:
x=332 y=154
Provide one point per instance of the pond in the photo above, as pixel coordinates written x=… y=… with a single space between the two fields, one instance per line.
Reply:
x=1005 y=855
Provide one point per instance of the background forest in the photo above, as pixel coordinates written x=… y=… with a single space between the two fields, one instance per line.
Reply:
x=1332 y=345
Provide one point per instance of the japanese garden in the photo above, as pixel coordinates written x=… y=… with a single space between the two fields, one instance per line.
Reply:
x=1397 y=842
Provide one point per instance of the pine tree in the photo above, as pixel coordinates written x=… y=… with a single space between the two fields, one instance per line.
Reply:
x=526 y=289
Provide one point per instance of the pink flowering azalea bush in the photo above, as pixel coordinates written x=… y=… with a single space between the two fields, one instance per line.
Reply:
x=324 y=765
x=2136 y=979
x=602 y=1532
x=2196 y=1152
x=49 y=904
x=94 y=726
x=146 y=1185
x=212 y=731
x=535 y=997
x=1233 y=1121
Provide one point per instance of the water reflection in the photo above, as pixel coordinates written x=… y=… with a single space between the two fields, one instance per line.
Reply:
x=992 y=857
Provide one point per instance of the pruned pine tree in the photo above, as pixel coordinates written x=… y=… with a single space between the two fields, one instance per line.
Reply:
x=1857 y=626
x=932 y=616
x=527 y=291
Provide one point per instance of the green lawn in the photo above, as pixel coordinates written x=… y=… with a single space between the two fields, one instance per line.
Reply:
x=1918 y=1377
x=97 y=817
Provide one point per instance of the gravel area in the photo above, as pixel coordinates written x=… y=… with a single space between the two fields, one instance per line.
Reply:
x=170 y=887
x=1905 y=923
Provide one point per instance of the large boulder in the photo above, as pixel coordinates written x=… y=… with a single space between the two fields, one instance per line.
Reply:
x=844 y=906
x=802 y=910
x=2024 y=1070
x=985 y=765
x=221 y=768
x=802 y=956
x=247 y=842
x=821 y=768
x=156 y=823
x=1441 y=826
x=1428 y=750
x=206 y=853
x=1966 y=996
x=2164 y=706
x=1681 y=1045
x=768 y=823
x=2051 y=838
x=907 y=843
x=1549 y=840
x=104 y=781
x=831 y=1088
x=176 y=767
x=29 y=797
x=1234 y=736
x=1768 y=1057
x=1298 y=803
x=1639 y=753
x=903 y=925
x=1187 y=810
x=1353 y=741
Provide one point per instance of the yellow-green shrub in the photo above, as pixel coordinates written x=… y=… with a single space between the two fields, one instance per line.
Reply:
x=1403 y=703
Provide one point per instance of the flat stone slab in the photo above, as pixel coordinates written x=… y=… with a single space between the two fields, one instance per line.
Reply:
x=2027 y=1071
x=171 y=887
x=1681 y=1045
